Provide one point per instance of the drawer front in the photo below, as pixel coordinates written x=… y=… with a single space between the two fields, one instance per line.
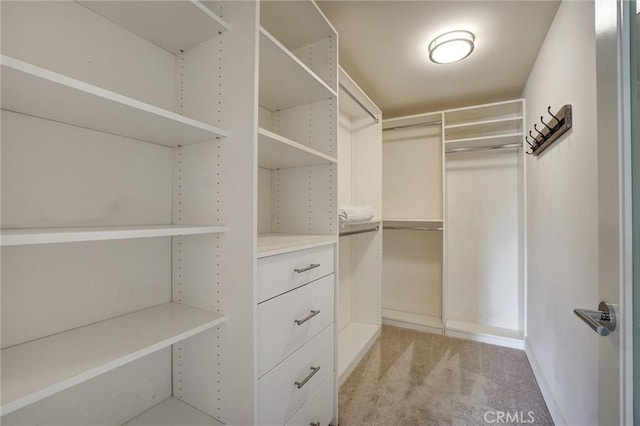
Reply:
x=277 y=274
x=279 y=397
x=278 y=333
x=318 y=410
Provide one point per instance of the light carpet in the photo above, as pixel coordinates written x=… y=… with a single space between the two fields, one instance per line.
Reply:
x=414 y=378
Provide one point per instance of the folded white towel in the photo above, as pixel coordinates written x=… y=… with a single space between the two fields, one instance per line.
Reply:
x=350 y=214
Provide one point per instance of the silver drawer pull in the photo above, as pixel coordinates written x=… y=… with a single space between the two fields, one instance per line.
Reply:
x=315 y=424
x=307 y=268
x=314 y=370
x=307 y=318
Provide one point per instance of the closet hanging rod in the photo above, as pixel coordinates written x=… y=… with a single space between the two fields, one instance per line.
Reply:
x=404 y=126
x=361 y=231
x=414 y=228
x=483 y=148
x=356 y=100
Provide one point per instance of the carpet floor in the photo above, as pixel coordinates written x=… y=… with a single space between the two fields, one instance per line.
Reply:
x=414 y=378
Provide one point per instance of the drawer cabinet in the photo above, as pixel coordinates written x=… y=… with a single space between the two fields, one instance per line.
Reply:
x=288 y=321
x=281 y=273
x=284 y=389
x=318 y=410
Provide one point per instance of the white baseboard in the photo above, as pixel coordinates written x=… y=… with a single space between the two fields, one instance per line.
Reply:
x=412 y=326
x=545 y=389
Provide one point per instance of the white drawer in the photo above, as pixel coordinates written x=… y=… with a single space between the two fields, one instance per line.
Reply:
x=279 y=397
x=277 y=274
x=279 y=334
x=318 y=410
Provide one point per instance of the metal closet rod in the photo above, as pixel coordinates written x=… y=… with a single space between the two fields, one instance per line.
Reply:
x=356 y=100
x=484 y=148
x=414 y=228
x=361 y=231
x=404 y=126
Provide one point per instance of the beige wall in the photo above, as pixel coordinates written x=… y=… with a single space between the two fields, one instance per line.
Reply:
x=562 y=215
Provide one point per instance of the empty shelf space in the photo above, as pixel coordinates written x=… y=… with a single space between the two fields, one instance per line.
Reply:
x=286 y=82
x=35 y=370
x=411 y=320
x=171 y=412
x=353 y=342
x=484 y=141
x=31 y=90
x=485 y=333
x=278 y=243
x=484 y=128
x=278 y=152
x=504 y=110
x=17 y=237
x=171 y=25
x=295 y=23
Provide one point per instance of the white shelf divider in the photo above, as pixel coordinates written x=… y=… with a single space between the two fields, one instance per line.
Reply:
x=353 y=343
x=279 y=243
x=172 y=25
x=31 y=90
x=278 y=152
x=35 y=370
x=285 y=81
x=18 y=237
x=172 y=411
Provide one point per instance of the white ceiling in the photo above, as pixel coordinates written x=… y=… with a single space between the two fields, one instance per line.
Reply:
x=383 y=46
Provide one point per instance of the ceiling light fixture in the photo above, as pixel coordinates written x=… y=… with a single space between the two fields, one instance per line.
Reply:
x=451 y=47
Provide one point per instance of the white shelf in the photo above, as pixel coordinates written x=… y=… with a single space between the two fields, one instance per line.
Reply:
x=485 y=141
x=411 y=222
x=286 y=82
x=278 y=152
x=484 y=128
x=171 y=25
x=278 y=243
x=485 y=333
x=411 y=320
x=353 y=343
x=18 y=237
x=172 y=412
x=35 y=370
x=508 y=109
x=31 y=90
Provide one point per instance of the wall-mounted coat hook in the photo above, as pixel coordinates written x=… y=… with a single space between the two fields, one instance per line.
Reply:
x=545 y=124
x=551 y=132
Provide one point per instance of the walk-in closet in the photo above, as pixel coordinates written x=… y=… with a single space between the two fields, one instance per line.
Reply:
x=315 y=212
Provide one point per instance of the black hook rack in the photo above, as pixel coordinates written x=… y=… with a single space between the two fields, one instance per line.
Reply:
x=558 y=125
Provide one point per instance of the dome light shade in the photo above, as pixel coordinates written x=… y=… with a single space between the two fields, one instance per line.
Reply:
x=451 y=47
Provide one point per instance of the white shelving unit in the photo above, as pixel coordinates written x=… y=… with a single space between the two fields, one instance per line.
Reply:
x=296 y=212
x=17 y=237
x=445 y=286
x=360 y=255
x=484 y=296
x=121 y=158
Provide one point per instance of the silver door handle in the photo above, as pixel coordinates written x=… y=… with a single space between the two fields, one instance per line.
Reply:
x=602 y=321
x=307 y=268
x=307 y=318
x=314 y=370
